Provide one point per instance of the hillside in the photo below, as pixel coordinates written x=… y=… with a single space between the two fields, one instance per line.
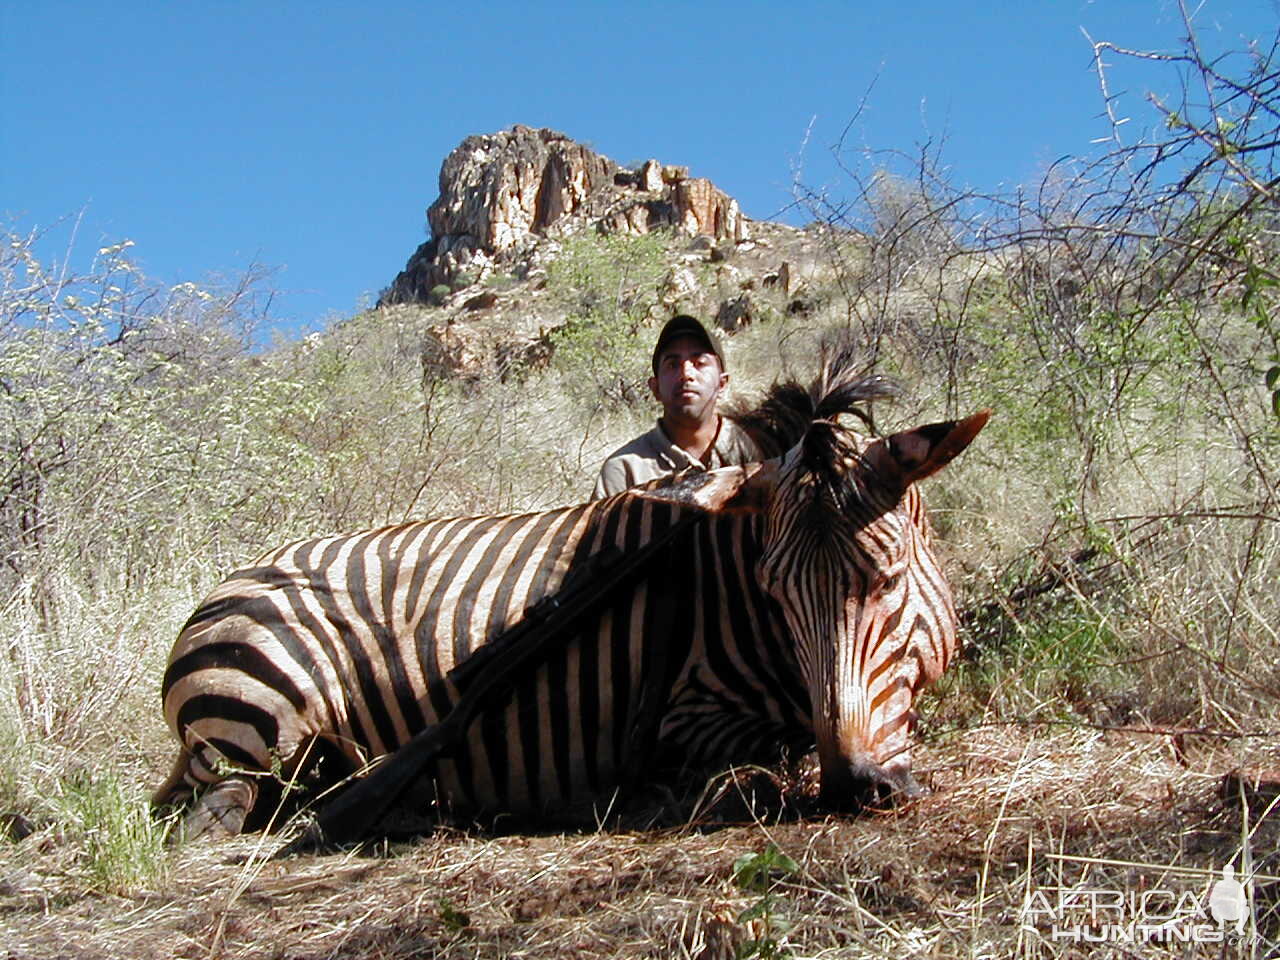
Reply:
x=533 y=234
x=1113 y=538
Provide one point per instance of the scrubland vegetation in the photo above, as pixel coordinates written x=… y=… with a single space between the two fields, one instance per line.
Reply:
x=1113 y=537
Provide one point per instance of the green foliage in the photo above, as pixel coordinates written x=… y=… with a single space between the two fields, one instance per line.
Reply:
x=1258 y=303
x=1061 y=656
x=463 y=280
x=761 y=873
x=608 y=286
x=455 y=920
x=106 y=379
x=123 y=845
x=501 y=282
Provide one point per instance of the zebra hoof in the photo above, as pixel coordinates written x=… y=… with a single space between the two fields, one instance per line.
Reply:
x=219 y=812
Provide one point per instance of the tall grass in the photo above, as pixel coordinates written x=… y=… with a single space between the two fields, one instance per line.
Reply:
x=122 y=845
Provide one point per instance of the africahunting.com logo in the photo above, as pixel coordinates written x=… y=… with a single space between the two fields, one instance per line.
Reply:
x=1220 y=912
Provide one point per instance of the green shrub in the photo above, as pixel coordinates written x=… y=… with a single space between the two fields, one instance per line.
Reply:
x=609 y=289
x=761 y=873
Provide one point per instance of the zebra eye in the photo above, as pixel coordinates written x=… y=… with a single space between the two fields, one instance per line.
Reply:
x=890 y=583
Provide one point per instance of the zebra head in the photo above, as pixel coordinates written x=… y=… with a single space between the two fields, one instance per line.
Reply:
x=846 y=553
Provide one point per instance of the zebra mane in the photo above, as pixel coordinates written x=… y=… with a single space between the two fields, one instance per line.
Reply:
x=791 y=412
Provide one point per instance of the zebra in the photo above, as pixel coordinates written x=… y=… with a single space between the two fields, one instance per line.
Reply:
x=799 y=603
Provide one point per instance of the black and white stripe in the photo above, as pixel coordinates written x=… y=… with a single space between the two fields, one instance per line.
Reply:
x=350 y=639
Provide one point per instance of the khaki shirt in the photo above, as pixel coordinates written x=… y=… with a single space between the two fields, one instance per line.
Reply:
x=653 y=455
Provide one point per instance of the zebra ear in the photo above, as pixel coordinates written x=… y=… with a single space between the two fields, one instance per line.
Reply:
x=924 y=451
x=727 y=490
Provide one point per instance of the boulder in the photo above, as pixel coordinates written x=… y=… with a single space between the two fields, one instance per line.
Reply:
x=481 y=301
x=701 y=208
x=651 y=177
x=736 y=313
x=679 y=287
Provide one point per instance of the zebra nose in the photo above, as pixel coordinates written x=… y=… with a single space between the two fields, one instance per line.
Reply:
x=862 y=782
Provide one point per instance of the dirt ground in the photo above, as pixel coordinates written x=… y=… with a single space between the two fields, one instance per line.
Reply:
x=971 y=871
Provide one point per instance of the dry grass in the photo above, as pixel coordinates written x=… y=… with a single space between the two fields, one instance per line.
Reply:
x=1013 y=811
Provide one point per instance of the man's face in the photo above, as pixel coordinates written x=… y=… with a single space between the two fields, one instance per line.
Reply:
x=689 y=381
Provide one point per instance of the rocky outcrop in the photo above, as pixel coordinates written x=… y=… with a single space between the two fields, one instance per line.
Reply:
x=502 y=193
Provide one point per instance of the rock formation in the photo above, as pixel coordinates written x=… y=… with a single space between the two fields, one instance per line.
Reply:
x=502 y=193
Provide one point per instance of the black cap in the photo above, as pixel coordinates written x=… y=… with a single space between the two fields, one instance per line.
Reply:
x=683 y=325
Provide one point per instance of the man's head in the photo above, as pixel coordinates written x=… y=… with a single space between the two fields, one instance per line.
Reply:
x=683 y=325
x=688 y=372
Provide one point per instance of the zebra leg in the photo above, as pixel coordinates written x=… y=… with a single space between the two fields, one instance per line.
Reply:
x=175 y=793
x=220 y=809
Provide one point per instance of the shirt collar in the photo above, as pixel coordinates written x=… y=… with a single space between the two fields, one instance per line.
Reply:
x=683 y=457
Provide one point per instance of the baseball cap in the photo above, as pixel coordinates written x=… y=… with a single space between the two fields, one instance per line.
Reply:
x=683 y=325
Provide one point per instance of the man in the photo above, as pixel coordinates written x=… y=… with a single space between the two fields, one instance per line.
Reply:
x=688 y=380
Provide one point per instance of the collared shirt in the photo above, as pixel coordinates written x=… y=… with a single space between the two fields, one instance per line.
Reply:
x=653 y=455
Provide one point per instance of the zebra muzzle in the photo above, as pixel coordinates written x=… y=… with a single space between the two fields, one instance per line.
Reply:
x=859 y=783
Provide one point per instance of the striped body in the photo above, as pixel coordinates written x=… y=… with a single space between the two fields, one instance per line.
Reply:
x=350 y=638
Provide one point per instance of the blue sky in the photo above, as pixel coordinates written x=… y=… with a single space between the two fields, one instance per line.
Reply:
x=308 y=137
